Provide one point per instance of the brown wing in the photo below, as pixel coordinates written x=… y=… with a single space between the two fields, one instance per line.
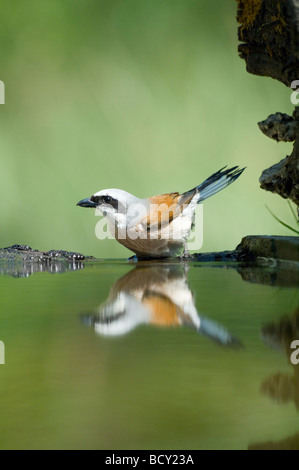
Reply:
x=163 y=209
x=163 y=311
x=166 y=207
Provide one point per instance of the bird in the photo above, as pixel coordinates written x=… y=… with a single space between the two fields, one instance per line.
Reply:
x=159 y=226
x=155 y=295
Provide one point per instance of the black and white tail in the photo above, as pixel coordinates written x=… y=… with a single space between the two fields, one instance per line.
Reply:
x=218 y=181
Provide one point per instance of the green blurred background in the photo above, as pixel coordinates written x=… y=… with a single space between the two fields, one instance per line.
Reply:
x=149 y=96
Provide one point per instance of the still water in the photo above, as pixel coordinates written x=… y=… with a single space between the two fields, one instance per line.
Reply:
x=113 y=355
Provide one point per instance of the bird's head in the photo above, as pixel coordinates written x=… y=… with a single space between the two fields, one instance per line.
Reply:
x=111 y=203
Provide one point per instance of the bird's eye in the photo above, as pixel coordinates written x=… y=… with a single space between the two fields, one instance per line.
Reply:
x=107 y=199
x=110 y=201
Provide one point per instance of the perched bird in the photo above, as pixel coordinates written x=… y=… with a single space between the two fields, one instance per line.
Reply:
x=158 y=226
x=158 y=296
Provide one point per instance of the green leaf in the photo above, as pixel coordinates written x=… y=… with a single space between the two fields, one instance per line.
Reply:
x=283 y=223
x=293 y=212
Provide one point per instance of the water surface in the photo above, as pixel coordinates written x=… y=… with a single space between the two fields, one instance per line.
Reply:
x=110 y=355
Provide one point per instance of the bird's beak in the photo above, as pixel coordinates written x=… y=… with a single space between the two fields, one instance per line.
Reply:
x=87 y=203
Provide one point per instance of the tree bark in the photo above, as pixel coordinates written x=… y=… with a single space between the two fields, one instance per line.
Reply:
x=269 y=35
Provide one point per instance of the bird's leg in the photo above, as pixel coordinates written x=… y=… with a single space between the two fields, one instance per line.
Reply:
x=185 y=257
x=185 y=254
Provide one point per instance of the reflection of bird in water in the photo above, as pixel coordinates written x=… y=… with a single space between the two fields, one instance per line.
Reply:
x=283 y=387
x=155 y=295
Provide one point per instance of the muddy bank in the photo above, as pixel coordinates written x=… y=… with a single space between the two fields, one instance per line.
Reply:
x=22 y=261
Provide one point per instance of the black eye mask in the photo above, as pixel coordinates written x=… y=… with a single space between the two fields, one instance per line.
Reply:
x=109 y=200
